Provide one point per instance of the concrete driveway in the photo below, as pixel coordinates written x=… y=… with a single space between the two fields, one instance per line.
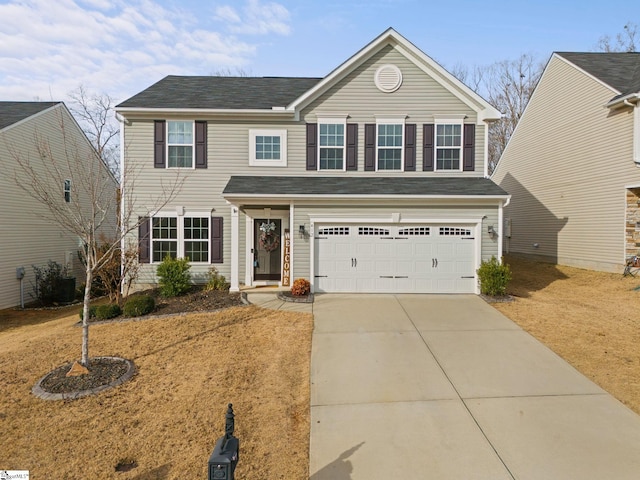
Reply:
x=445 y=387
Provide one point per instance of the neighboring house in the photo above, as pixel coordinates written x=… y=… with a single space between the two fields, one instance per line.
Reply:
x=572 y=165
x=27 y=236
x=371 y=179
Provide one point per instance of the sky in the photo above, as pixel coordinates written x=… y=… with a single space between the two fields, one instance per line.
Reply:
x=49 y=48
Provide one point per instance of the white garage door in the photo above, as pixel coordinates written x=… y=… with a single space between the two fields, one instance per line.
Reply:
x=394 y=259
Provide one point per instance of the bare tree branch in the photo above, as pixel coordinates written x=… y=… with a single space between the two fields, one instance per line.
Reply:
x=626 y=41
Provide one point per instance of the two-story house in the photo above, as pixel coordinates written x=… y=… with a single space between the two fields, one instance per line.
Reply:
x=42 y=140
x=371 y=179
x=572 y=164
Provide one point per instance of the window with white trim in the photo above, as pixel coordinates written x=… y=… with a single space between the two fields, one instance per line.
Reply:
x=181 y=237
x=389 y=145
x=448 y=146
x=67 y=191
x=268 y=148
x=331 y=146
x=180 y=144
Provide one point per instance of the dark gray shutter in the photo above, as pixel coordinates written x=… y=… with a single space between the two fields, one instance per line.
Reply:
x=201 y=144
x=410 y=147
x=469 y=150
x=159 y=143
x=370 y=147
x=428 y=147
x=216 y=239
x=144 y=240
x=352 y=146
x=312 y=146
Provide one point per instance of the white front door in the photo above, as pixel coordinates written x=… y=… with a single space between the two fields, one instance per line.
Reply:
x=395 y=259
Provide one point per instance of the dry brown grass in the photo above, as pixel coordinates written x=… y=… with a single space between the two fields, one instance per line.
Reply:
x=168 y=417
x=591 y=319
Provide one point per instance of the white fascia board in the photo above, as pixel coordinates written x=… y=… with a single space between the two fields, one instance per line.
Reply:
x=35 y=115
x=595 y=79
x=232 y=196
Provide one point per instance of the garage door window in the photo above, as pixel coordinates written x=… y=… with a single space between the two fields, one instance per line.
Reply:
x=421 y=231
x=334 y=231
x=454 y=232
x=372 y=231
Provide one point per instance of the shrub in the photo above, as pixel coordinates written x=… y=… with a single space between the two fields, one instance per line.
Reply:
x=48 y=281
x=494 y=277
x=107 y=311
x=215 y=281
x=138 y=305
x=175 y=278
x=300 y=287
x=92 y=311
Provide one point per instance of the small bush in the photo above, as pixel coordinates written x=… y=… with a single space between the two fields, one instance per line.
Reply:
x=215 y=281
x=300 y=287
x=138 y=305
x=48 y=282
x=175 y=278
x=494 y=277
x=110 y=310
x=92 y=311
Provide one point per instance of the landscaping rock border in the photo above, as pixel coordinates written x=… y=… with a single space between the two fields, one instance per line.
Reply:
x=39 y=392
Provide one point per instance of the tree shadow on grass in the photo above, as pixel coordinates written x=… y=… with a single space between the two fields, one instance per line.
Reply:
x=159 y=473
x=530 y=276
x=339 y=469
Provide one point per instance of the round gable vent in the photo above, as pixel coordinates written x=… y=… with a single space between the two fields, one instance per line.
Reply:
x=388 y=78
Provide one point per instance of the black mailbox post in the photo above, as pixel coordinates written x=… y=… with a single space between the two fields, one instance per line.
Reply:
x=223 y=460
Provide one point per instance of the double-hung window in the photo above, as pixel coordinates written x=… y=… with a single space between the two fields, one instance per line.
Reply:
x=389 y=145
x=268 y=148
x=67 y=191
x=331 y=144
x=181 y=237
x=448 y=144
x=180 y=144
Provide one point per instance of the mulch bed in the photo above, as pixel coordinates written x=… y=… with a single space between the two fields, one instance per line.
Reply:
x=197 y=300
x=102 y=371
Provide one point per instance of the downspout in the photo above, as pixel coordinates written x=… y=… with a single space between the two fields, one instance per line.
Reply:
x=121 y=121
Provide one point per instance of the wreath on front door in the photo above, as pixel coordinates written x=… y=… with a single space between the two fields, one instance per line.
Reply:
x=269 y=239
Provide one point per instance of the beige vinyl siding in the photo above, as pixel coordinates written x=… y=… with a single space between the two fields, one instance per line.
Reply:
x=303 y=214
x=566 y=168
x=27 y=238
x=420 y=98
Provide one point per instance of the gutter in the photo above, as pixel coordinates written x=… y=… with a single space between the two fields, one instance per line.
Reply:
x=625 y=101
x=274 y=111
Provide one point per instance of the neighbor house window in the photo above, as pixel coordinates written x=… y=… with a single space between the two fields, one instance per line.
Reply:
x=181 y=237
x=389 y=146
x=180 y=144
x=331 y=145
x=268 y=148
x=448 y=146
x=67 y=191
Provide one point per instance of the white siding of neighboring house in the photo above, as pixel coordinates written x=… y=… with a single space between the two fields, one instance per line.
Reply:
x=27 y=238
x=566 y=168
x=419 y=97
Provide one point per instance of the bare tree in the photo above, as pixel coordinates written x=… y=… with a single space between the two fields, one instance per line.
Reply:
x=95 y=115
x=626 y=41
x=90 y=209
x=508 y=86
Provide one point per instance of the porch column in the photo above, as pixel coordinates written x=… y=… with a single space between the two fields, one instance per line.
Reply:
x=235 y=250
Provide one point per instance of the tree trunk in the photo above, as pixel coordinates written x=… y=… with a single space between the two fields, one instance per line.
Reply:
x=85 y=316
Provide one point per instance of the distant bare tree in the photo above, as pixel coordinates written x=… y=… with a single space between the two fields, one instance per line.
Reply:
x=90 y=208
x=227 y=72
x=508 y=86
x=626 y=41
x=95 y=115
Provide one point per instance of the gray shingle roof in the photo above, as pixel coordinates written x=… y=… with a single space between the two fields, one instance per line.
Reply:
x=361 y=186
x=13 y=112
x=221 y=92
x=618 y=70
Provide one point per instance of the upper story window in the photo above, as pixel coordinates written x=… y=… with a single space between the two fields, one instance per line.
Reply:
x=67 y=191
x=180 y=146
x=390 y=139
x=448 y=146
x=331 y=146
x=268 y=148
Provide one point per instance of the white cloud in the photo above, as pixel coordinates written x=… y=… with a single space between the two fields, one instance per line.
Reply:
x=118 y=47
x=258 y=18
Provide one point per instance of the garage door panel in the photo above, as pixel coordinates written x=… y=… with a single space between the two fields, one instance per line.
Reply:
x=396 y=259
